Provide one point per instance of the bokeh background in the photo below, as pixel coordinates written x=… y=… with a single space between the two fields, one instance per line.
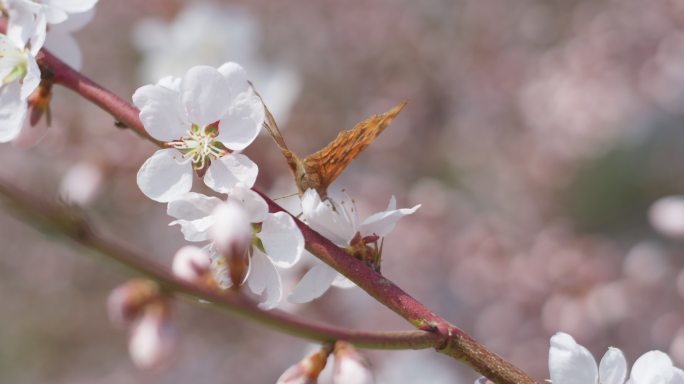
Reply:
x=538 y=137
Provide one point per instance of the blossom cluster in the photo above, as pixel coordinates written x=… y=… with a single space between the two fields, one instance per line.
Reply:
x=20 y=76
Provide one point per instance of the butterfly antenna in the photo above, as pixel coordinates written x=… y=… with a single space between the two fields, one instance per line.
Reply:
x=270 y=124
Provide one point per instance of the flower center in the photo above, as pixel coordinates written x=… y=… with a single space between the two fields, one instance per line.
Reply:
x=200 y=146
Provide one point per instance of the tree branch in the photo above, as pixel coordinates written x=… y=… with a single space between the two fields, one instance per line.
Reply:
x=450 y=340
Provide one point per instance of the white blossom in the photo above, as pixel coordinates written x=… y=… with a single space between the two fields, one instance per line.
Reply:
x=337 y=219
x=571 y=363
x=277 y=242
x=204 y=119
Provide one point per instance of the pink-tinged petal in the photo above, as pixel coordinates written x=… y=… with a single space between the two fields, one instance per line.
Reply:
x=162 y=178
x=12 y=111
x=152 y=341
x=282 y=239
x=236 y=78
x=382 y=223
x=264 y=280
x=242 y=123
x=570 y=363
x=73 y=6
x=205 y=95
x=232 y=229
x=613 y=367
x=313 y=285
x=191 y=264
x=65 y=47
x=254 y=205
x=654 y=367
x=161 y=112
x=230 y=170
x=192 y=206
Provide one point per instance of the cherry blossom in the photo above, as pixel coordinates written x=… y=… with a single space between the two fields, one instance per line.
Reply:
x=276 y=240
x=571 y=363
x=337 y=219
x=203 y=119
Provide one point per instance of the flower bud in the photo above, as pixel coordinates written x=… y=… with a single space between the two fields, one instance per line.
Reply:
x=307 y=370
x=153 y=337
x=191 y=264
x=232 y=236
x=483 y=380
x=350 y=366
x=127 y=302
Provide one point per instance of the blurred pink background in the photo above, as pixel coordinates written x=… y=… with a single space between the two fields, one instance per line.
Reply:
x=537 y=136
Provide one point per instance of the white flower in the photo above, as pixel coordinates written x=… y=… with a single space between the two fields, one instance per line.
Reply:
x=203 y=117
x=336 y=218
x=60 y=41
x=56 y=11
x=205 y=33
x=276 y=242
x=191 y=264
x=571 y=363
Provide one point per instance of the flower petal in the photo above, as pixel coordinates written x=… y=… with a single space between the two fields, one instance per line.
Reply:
x=382 y=223
x=613 y=367
x=336 y=223
x=192 y=206
x=12 y=111
x=654 y=367
x=73 y=6
x=242 y=123
x=282 y=239
x=228 y=171
x=313 y=285
x=342 y=282
x=161 y=111
x=205 y=95
x=254 y=205
x=162 y=178
x=195 y=230
x=569 y=362
x=236 y=78
x=31 y=79
x=264 y=280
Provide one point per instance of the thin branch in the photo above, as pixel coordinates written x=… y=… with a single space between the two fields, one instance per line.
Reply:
x=61 y=220
x=451 y=340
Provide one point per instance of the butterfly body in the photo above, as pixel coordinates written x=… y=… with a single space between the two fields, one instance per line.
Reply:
x=320 y=169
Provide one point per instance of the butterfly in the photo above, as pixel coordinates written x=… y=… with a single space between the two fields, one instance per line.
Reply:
x=321 y=168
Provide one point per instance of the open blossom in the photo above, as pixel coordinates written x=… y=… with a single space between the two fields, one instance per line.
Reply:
x=571 y=363
x=276 y=240
x=336 y=218
x=203 y=119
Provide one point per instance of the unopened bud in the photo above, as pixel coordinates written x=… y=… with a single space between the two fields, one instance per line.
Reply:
x=232 y=236
x=153 y=337
x=81 y=184
x=127 y=302
x=350 y=366
x=483 y=380
x=191 y=264
x=667 y=216
x=307 y=370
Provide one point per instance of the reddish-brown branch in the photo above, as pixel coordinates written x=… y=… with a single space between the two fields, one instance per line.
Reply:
x=450 y=340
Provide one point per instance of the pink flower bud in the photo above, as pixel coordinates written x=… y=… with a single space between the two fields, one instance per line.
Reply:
x=191 y=264
x=307 y=370
x=350 y=366
x=127 y=302
x=153 y=337
x=232 y=236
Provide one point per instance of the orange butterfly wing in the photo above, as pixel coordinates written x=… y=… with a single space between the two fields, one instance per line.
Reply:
x=324 y=166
